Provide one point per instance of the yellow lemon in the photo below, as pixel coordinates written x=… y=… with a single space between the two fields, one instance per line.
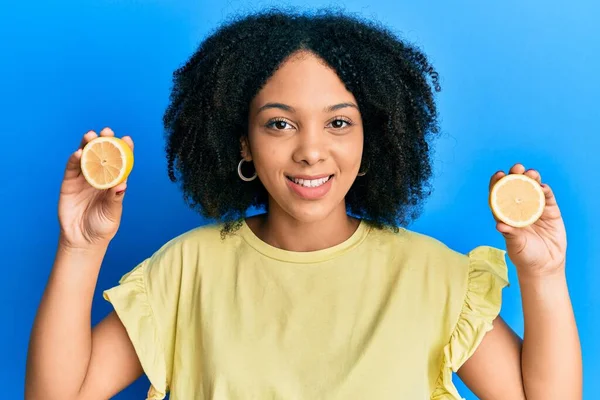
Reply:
x=517 y=200
x=106 y=161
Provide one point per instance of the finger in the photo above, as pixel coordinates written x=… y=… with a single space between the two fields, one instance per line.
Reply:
x=495 y=178
x=107 y=132
x=118 y=191
x=549 y=195
x=120 y=187
x=128 y=140
x=517 y=169
x=90 y=135
x=73 y=168
x=533 y=174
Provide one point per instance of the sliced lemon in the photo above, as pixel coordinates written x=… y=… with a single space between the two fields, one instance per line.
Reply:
x=106 y=161
x=517 y=200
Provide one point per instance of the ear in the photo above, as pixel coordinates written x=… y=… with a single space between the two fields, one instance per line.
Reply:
x=245 y=152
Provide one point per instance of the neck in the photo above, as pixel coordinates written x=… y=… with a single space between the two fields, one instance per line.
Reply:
x=280 y=230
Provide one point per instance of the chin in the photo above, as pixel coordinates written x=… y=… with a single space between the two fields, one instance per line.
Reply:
x=308 y=211
x=311 y=212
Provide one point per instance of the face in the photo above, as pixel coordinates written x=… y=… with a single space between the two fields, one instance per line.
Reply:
x=305 y=139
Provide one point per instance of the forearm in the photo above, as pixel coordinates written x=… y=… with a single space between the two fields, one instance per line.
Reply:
x=60 y=344
x=551 y=354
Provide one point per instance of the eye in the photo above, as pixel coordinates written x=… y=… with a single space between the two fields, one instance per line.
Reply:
x=338 y=123
x=278 y=124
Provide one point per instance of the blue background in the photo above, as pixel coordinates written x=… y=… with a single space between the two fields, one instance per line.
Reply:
x=520 y=83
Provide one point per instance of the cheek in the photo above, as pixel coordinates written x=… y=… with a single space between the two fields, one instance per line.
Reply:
x=350 y=153
x=268 y=157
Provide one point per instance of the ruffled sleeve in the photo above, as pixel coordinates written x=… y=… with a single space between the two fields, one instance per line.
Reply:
x=131 y=303
x=487 y=276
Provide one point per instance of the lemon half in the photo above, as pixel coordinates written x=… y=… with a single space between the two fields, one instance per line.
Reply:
x=517 y=200
x=106 y=161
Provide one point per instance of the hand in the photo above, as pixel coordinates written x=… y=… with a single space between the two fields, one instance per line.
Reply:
x=540 y=249
x=88 y=217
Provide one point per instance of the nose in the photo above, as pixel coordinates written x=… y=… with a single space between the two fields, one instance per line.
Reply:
x=311 y=147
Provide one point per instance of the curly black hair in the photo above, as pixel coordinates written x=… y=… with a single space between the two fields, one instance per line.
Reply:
x=392 y=81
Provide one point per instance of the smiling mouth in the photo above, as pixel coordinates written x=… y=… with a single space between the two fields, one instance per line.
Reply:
x=310 y=183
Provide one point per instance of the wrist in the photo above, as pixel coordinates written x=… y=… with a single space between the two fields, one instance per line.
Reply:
x=546 y=283
x=551 y=272
x=67 y=247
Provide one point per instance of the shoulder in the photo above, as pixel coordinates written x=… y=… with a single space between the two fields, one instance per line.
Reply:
x=439 y=263
x=195 y=242
x=205 y=235
x=182 y=254
x=415 y=246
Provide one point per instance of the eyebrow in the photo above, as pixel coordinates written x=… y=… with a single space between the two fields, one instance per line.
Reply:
x=285 y=107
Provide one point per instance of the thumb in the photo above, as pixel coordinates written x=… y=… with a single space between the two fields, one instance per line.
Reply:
x=510 y=233
x=506 y=230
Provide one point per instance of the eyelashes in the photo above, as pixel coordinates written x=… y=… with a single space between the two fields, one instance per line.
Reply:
x=280 y=124
x=272 y=124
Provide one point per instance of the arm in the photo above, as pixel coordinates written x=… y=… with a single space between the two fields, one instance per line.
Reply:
x=494 y=370
x=551 y=358
x=548 y=365
x=545 y=365
x=67 y=360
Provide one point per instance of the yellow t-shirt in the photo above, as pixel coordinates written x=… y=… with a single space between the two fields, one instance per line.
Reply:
x=382 y=315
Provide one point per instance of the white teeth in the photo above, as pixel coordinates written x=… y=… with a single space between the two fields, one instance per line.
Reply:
x=310 y=182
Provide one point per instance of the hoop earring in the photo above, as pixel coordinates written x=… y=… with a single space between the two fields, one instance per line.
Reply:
x=364 y=172
x=241 y=175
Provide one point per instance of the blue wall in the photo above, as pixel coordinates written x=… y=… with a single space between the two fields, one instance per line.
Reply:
x=520 y=83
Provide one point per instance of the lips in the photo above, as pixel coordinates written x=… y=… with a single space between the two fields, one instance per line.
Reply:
x=310 y=182
x=310 y=187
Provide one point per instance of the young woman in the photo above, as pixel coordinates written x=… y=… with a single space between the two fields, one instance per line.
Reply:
x=325 y=121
